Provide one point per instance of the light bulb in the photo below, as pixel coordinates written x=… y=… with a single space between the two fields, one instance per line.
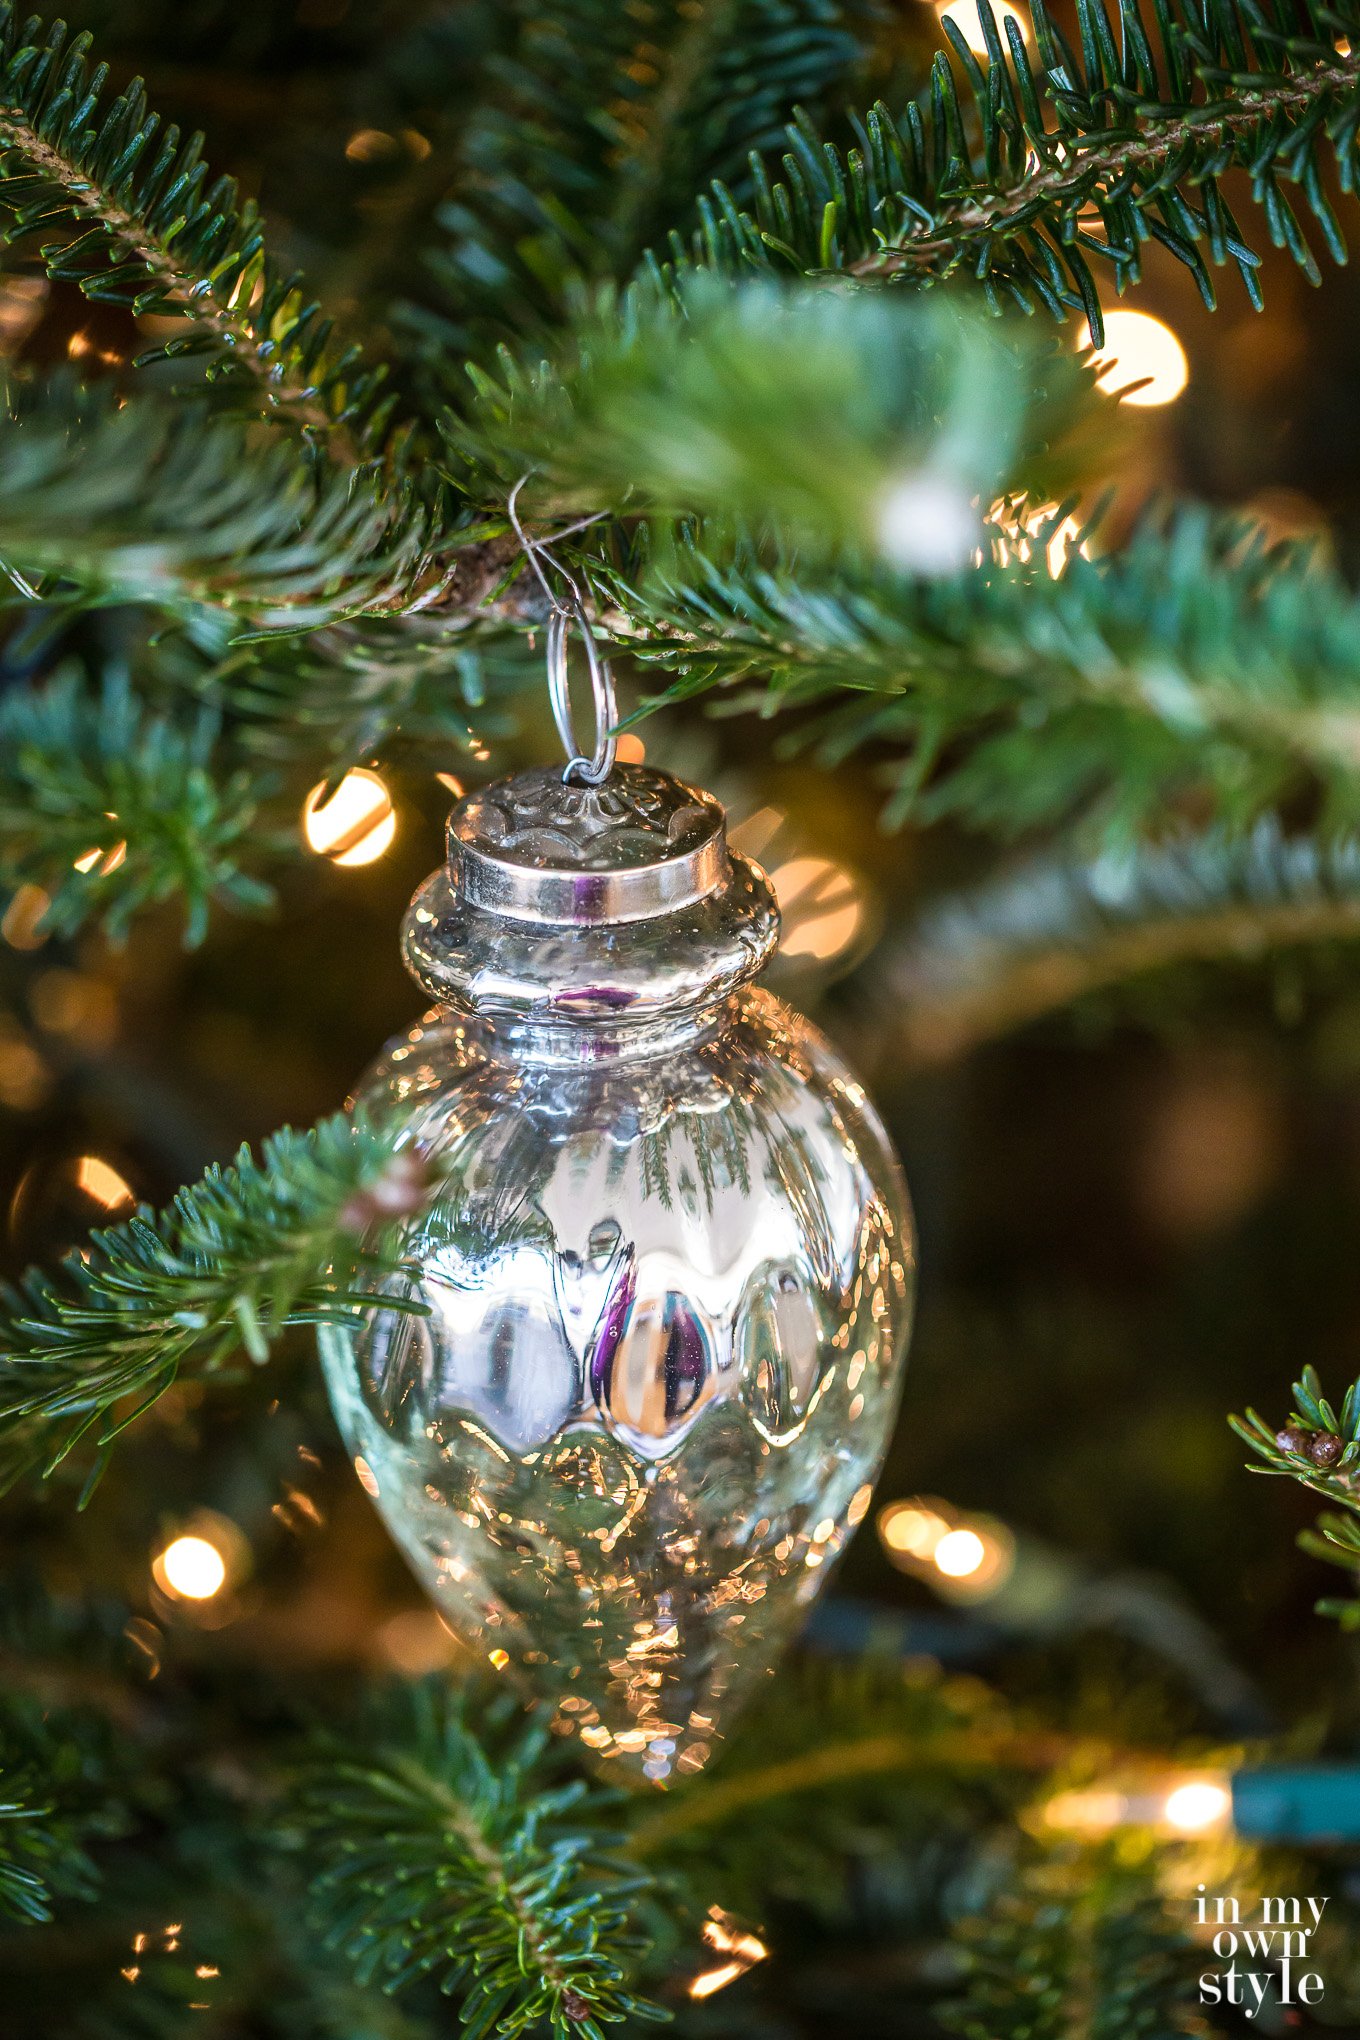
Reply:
x=959 y=1554
x=1139 y=348
x=191 y=1568
x=821 y=904
x=1192 y=1806
x=356 y=825
x=1201 y=1803
x=905 y=1527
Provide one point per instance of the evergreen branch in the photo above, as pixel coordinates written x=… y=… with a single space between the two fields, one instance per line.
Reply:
x=108 y=810
x=982 y=963
x=37 y=1854
x=1132 y=134
x=1078 y=1945
x=802 y=410
x=1318 y=1446
x=239 y=1257
x=64 y=1766
x=440 y=1857
x=1109 y=175
x=601 y=126
x=350 y=691
x=912 y=1793
x=918 y=1764
x=1195 y=664
x=135 y=221
x=167 y=505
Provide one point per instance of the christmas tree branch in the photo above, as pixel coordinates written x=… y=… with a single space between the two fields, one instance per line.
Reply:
x=1078 y=1943
x=440 y=1857
x=805 y=411
x=347 y=692
x=69 y=1762
x=137 y=223
x=598 y=134
x=1197 y=662
x=241 y=1255
x=108 y=809
x=1319 y=1447
x=981 y=963
x=1141 y=162
x=896 y=1735
x=38 y=1855
x=1133 y=133
x=168 y=505
x=937 y=1773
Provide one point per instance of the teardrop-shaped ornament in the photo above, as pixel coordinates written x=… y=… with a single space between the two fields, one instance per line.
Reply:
x=667 y=1295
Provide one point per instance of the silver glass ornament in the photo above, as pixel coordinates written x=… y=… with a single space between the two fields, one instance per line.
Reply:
x=667 y=1297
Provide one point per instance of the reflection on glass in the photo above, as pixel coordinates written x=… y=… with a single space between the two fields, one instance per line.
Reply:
x=660 y=1365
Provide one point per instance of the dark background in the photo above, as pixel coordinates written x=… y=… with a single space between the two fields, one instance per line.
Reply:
x=1135 y=1215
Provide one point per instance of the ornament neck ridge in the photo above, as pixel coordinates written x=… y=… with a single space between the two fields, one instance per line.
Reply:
x=600 y=1043
x=614 y=912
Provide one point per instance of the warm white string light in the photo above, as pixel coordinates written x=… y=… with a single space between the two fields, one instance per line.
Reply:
x=356 y=825
x=964 y=1558
x=1199 y=1804
x=1143 y=350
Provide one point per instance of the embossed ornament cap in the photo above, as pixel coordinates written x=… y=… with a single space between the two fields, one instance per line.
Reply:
x=582 y=903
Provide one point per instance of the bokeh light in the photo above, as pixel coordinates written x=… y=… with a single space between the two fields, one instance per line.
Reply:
x=102 y=1182
x=1139 y=348
x=371 y=145
x=962 y=1558
x=1198 y=1805
x=821 y=906
x=910 y=1528
x=964 y=15
x=959 y=1554
x=101 y=861
x=1023 y=527
x=356 y=825
x=191 y=1569
x=1179 y=1806
x=22 y=925
x=740 y=1948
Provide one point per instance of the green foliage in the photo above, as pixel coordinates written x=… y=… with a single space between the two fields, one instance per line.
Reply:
x=438 y=1856
x=1193 y=670
x=163 y=503
x=33 y=1853
x=1319 y=1447
x=125 y=210
x=603 y=123
x=347 y=692
x=867 y=1788
x=240 y=1256
x=1135 y=128
x=1079 y=1945
x=65 y=1789
x=1194 y=663
x=793 y=410
x=1052 y=928
x=110 y=809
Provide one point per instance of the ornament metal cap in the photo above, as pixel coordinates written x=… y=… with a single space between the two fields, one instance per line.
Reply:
x=617 y=901
x=540 y=848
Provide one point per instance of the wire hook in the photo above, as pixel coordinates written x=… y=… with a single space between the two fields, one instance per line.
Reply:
x=582 y=769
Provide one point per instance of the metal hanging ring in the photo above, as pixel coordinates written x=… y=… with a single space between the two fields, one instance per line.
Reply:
x=581 y=770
